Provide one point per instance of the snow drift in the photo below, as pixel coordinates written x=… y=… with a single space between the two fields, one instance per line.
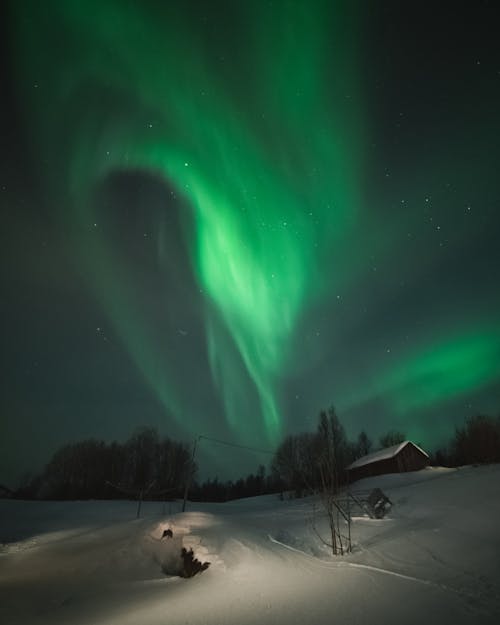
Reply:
x=433 y=559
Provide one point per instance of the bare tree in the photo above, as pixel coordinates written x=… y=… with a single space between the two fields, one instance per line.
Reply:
x=477 y=441
x=364 y=444
x=333 y=453
x=393 y=437
x=295 y=462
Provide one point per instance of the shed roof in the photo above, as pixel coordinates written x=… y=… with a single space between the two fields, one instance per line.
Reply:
x=383 y=454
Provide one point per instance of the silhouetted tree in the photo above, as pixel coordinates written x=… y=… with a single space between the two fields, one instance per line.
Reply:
x=76 y=471
x=364 y=444
x=441 y=458
x=478 y=441
x=94 y=469
x=174 y=461
x=333 y=456
x=393 y=437
x=295 y=462
x=142 y=458
x=332 y=442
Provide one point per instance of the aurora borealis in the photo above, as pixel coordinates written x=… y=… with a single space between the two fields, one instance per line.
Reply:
x=232 y=214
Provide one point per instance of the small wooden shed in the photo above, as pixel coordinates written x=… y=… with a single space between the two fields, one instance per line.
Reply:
x=399 y=458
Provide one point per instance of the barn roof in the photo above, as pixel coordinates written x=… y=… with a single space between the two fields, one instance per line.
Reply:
x=383 y=454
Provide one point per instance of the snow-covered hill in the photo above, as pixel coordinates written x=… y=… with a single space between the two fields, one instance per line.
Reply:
x=434 y=559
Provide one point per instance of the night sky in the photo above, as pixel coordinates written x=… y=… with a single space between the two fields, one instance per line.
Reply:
x=219 y=217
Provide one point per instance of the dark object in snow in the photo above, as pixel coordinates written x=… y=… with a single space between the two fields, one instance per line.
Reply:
x=191 y=565
x=379 y=503
x=167 y=533
x=183 y=564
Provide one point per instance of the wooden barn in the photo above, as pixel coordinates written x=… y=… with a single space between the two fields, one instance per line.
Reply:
x=405 y=456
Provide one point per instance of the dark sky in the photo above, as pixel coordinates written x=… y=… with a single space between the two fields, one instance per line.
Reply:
x=219 y=218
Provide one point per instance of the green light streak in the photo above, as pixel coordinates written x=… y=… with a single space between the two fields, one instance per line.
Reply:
x=256 y=123
x=444 y=368
x=268 y=165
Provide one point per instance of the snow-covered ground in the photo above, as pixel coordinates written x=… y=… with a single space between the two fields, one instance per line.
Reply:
x=434 y=559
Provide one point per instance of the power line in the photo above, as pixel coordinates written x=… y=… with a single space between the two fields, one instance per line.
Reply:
x=216 y=440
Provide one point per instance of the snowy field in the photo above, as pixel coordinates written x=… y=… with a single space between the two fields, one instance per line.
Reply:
x=434 y=559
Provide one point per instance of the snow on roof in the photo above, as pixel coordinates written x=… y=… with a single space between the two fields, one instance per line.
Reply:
x=383 y=454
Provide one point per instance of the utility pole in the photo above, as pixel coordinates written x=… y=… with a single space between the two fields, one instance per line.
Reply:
x=190 y=474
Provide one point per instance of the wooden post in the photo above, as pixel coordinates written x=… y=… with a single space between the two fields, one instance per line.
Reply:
x=139 y=503
x=349 y=521
x=189 y=475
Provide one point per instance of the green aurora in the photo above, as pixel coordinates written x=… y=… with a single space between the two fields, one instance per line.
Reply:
x=267 y=150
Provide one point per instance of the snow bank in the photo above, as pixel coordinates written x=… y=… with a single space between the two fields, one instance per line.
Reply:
x=435 y=558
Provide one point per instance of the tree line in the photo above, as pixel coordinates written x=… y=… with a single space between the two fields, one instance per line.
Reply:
x=316 y=461
x=303 y=460
x=477 y=441
x=93 y=469
x=151 y=467
x=145 y=466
